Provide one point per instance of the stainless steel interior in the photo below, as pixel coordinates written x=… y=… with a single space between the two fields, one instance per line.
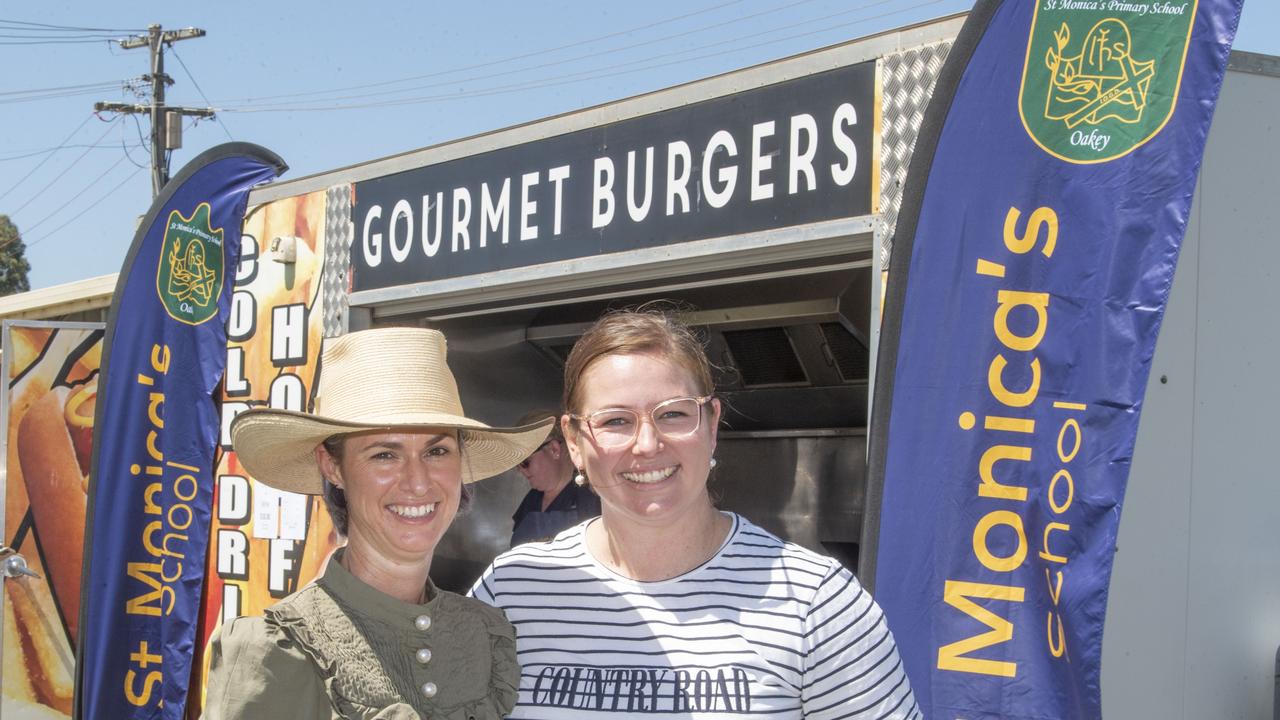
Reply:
x=792 y=373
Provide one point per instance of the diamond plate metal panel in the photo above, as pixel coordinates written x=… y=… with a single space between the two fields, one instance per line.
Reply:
x=908 y=78
x=338 y=234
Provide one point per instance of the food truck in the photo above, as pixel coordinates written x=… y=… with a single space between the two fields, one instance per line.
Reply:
x=762 y=203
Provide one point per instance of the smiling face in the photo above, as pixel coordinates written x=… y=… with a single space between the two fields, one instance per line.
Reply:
x=654 y=479
x=402 y=491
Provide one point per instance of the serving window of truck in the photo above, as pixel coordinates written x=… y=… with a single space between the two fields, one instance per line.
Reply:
x=752 y=200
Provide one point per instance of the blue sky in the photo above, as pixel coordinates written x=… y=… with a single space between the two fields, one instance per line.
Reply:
x=330 y=84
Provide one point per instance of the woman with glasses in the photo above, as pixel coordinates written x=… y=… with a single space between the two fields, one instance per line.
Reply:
x=665 y=606
x=554 y=502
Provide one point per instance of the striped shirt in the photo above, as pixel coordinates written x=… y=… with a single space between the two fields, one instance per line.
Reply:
x=764 y=629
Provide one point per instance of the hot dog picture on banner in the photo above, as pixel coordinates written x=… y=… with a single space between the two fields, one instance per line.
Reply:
x=51 y=371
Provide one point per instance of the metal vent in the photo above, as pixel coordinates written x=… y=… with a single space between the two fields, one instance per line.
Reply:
x=765 y=357
x=851 y=356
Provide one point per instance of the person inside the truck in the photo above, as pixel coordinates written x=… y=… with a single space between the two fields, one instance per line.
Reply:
x=392 y=452
x=554 y=502
x=664 y=605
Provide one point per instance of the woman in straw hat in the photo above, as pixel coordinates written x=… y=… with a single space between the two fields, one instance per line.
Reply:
x=391 y=450
x=664 y=606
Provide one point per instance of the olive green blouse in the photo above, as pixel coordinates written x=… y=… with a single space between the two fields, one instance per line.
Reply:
x=338 y=648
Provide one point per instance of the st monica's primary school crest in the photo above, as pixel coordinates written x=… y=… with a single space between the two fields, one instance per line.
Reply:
x=189 y=279
x=1101 y=77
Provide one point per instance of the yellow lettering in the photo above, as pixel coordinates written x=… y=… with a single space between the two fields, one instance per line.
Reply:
x=1059 y=648
x=189 y=479
x=154 y=451
x=1045 y=554
x=177 y=572
x=951 y=656
x=1055 y=593
x=141 y=605
x=1040 y=217
x=144 y=657
x=149 y=505
x=148 y=542
x=154 y=401
x=1010 y=299
x=183 y=510
x=995 y=383
x=990 y=487
x=990 y=269
x=1053 y=491
x=981 y=551
x=160 y=358
x=1063 y=455
x=140 y=699
x=1020 y=425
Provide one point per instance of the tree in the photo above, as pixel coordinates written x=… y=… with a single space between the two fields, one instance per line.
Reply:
x=13 y=259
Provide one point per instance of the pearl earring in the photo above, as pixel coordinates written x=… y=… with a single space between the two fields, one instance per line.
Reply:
x=580 y=479
x=713 y=463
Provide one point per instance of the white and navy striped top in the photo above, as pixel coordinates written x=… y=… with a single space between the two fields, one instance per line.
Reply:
x=764 y=629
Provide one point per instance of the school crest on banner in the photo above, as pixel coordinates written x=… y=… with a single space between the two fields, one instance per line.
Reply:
x=189 y=278
x=1101 y=78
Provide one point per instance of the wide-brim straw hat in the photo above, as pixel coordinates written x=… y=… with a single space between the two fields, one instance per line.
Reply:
x=388 y=378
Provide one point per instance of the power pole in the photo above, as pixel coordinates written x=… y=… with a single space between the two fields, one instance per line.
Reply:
x=166 y=122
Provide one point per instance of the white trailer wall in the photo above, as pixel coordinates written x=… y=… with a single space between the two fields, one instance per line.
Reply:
x=1193 y=622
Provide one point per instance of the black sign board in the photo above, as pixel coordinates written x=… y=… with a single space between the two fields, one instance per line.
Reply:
x=791 y=153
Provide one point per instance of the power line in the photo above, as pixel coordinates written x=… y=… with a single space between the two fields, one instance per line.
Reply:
x=500 y=61
x=68 y=169
x=596 y=73
x=85 y=86
x=75 y=197
x=87 y=208
x=91 y=185
x=164 y=137
x=576 y=58
x=51 y=152
x=55 y=95
x=67 y=41
x=125 y=146
x=34 y=153
x=48 y=151
x=192 y=78
x=137 y=125
x=66 y=28
x=72 y=36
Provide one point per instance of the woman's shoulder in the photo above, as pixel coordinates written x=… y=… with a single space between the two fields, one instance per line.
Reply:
x=256 y=672
x=494 y=619
x=753 y=544
x=247 y=634
x=565 y=548
x=538 y=562
x=257 y=640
